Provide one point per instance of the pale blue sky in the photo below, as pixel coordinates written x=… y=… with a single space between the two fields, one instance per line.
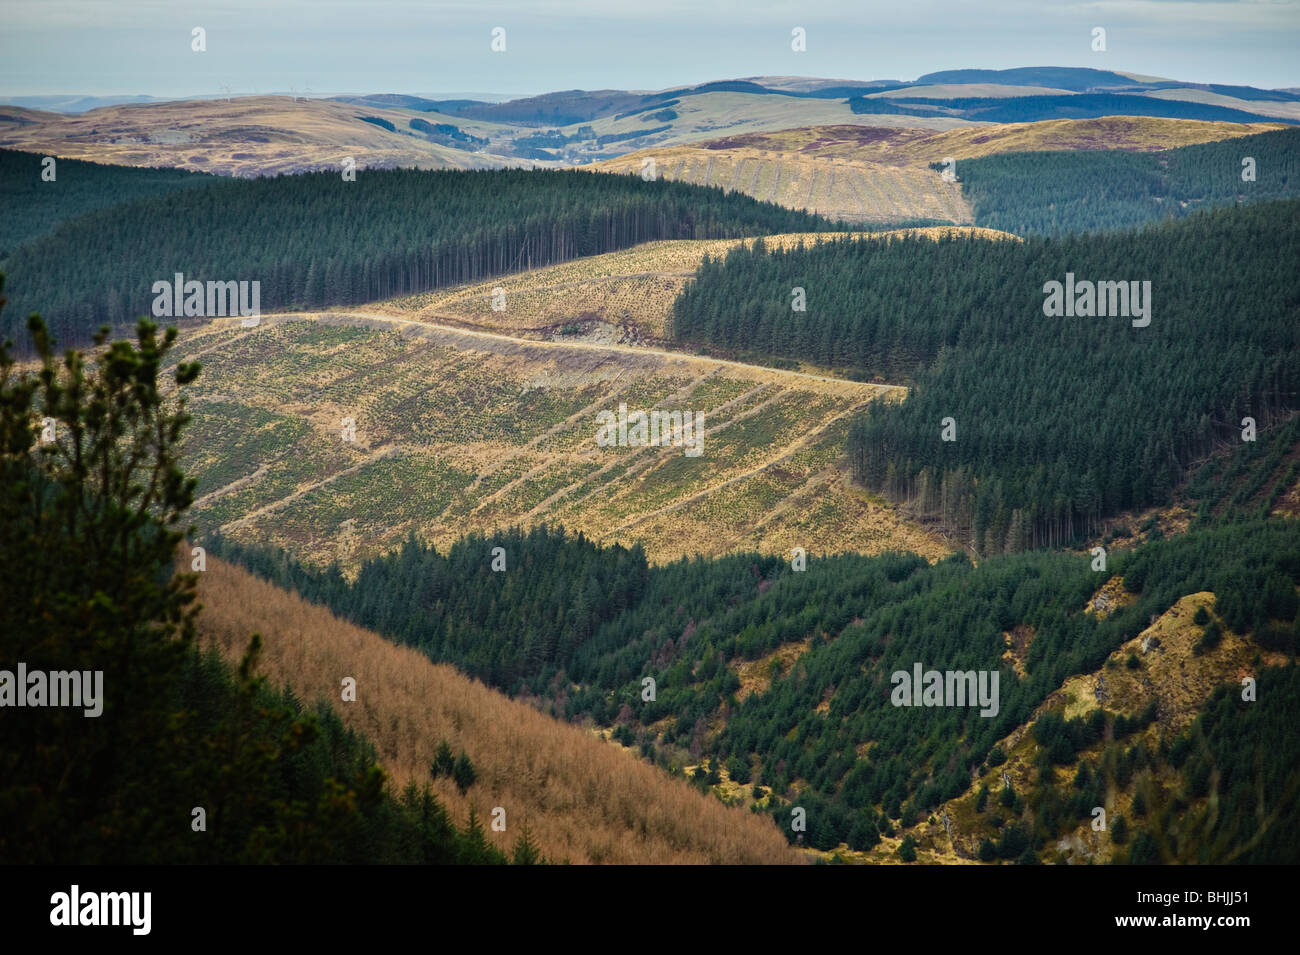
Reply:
x=110 y=47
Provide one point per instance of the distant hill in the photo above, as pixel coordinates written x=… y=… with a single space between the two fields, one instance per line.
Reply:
x=1078 y=79
x=868 y=174
x=247 y=136
x=1028 y=109
x=268 y=135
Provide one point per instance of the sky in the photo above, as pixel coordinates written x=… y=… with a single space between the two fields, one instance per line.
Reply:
x=326 y=47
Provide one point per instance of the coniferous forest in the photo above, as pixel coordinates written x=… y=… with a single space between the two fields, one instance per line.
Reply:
x=1057 y=421
x=688 y=625
x=1057 y=193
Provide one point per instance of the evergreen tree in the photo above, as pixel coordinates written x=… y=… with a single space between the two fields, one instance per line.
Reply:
x=463 y=773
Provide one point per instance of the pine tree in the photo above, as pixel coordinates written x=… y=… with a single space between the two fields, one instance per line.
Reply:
x=463 y=773
x=525 y=851
x=443 y=762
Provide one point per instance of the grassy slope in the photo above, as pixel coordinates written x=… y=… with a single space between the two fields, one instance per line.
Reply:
x=836 y=188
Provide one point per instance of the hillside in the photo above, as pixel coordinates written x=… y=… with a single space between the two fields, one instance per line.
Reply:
x=244 y=136
x=583 y=800
x=836 y=188
x=1055 y=192
x=35 y=207
x=1160 y=682
x=459 y=430
x=774 y=684
x=918 y=147
x=873 y=174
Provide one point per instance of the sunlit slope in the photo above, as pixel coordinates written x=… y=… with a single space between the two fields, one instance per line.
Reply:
x=459 y=430
x=836 y=188
x=905 y=147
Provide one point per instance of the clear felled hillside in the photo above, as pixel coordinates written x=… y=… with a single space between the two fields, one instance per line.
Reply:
x=458 y=431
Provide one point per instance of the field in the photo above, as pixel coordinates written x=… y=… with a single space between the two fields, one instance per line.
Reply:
x=458 y=431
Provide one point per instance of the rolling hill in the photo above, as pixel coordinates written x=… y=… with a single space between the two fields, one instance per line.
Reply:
x=243 y=136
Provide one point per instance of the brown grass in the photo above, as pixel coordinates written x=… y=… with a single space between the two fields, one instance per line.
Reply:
x=584 y=800
x=245 y=136
x=912 y=147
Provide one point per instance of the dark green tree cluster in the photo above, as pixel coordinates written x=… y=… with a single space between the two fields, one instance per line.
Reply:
x=512 y=627
x=316 y=239
x=1059 y=421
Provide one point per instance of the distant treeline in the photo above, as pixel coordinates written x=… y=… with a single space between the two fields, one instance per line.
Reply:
x=584 y=626
x=1058 y=421
x=1052 y=193
x=316 y=239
